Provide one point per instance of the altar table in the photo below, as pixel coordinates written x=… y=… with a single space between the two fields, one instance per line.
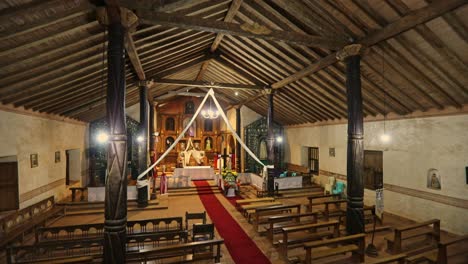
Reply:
x=283 y=183
x=195 y=172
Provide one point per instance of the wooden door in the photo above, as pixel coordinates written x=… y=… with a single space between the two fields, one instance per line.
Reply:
x=9 y=197
x=373 y=169
x=67 y=175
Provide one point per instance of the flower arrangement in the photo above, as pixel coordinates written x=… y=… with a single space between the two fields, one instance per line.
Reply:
x=230 y=179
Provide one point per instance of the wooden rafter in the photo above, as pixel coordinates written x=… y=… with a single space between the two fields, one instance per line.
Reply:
x=214 y=85
x=208 y=25
x=417 y=17
x=133 y=56
x=231 y=13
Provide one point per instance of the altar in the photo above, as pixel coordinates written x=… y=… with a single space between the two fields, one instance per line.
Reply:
x=283 y=183
x=196 y=172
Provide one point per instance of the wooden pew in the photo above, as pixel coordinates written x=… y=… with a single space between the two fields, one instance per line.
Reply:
x=438 y=255
x=247 y=209
x=357 y=248
x=313 y=198
x=16 y=225
x=50 y=250
x=255 y=200
x=304 y=236
x=179 y=251
x=327 y=212
x=400 y=259
x=394 y=244
x=280 y=221
x=97 y=229
x=65 y=260
x=268 y=211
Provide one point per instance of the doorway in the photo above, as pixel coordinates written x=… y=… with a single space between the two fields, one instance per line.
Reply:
x=9 y=193
x=73 y=163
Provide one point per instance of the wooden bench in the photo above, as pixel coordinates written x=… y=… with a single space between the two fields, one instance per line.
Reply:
x=255 y=200
x=394 y=244
x=357 y=247
x=278 y=222
x=288 y=242
x=81 y=189
x=313 y=198
x=16 y=225
x=438 y=255
x=50 y=250
x=400 y=259
x=64 y=260
x=247 y=209
x=183 y=252
x=97 y=229
x=327 y=212
x=268 y=211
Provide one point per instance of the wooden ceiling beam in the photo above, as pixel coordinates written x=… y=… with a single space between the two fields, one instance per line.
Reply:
x=409 y=21
x=214 y=85
x=231 y=13
x=133 y=56
x=249 y=31
x=53 y=11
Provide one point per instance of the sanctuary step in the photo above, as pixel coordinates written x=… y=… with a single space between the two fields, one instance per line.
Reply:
x=98 y=207
x=194 y=191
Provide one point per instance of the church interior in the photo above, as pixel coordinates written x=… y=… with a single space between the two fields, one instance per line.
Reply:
x=234 y=131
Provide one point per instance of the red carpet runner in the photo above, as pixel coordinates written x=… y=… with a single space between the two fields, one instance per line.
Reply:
x=242 y=249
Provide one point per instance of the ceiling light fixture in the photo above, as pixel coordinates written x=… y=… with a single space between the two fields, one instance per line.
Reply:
x=210 y=114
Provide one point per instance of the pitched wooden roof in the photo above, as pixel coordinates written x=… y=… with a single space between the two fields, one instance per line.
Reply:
x=52 y=57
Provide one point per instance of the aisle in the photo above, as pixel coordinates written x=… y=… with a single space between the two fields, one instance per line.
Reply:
x=242 y=249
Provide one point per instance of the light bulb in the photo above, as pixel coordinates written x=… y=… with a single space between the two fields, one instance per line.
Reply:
x=140 y=139
x=236 y=93
x=385 y=138
x=279 y=139
x=102 y=137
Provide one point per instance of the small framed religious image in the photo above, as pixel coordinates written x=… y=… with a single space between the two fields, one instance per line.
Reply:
x=433 y=179
x=331 y=152
x=34 y=160
x=57 y=156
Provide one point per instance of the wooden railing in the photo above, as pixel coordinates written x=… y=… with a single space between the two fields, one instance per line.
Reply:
x=97 y=230
x=17 y=224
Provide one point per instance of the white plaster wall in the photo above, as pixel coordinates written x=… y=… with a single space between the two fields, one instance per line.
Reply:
x=23 y=135
x=416 y=146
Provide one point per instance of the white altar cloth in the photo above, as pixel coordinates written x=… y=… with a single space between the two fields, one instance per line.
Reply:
x=283 y=183
x=196 y=172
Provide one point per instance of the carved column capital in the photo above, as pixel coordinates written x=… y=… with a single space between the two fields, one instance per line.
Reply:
x=350 y=50
x=267 y=91
x=144 y=83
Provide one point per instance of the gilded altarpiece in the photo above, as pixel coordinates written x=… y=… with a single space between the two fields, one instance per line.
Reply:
x=172 y=117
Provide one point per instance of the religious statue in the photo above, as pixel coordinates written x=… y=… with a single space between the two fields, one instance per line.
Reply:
x=433 y=179
x=263 y=150
x=208 y=144
x=192 y=129
x=228 y=163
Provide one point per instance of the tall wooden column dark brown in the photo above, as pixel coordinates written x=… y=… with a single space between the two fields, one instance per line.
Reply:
x=116 y=181
x=351 y=55
x=238 y=146
x=143 y=143
x=270 y=144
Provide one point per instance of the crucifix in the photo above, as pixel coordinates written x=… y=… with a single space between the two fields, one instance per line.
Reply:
x=224 y=156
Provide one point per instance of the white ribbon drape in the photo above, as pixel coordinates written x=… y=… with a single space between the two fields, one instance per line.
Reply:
x=223 y=115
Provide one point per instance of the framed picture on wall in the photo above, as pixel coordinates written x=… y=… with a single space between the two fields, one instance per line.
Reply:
x=34 y=160
x=57 y=156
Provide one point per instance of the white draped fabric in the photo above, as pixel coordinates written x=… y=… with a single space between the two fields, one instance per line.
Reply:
x=181 y=135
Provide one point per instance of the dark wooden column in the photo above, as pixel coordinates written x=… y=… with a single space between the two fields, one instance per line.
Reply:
x=116 y=182
x=143 y=144
x=238 y=146
x=351 y=55
x=270 y=144
x=151 y=135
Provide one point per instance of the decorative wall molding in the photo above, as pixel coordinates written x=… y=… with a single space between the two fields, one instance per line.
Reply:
x=443 y=199
x=45 y=188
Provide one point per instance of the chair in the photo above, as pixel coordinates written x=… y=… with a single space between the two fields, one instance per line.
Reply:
x=194 y=216
x=329 y=186
x=339 y=188
x=202 y=232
